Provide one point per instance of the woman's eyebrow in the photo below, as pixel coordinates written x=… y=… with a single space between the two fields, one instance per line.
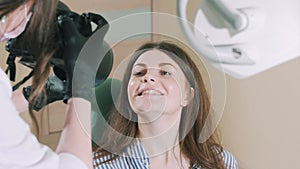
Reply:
x=167 y=64
x=139 y=64
x=160 y=65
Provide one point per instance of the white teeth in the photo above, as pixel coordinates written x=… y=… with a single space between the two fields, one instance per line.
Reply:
x=154 y=92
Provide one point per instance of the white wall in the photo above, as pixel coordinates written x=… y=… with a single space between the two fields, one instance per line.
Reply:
x=260 y=124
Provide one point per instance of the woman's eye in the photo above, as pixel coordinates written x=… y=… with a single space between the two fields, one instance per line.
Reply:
x=139 y=73
x=165 y=73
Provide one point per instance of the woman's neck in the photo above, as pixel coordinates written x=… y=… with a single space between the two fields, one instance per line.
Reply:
x=161 y=135
x=172 y=159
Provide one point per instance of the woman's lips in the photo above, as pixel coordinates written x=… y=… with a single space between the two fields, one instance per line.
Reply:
x=150 y=92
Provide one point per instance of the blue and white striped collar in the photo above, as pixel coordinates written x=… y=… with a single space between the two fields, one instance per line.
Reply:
x=136 y=157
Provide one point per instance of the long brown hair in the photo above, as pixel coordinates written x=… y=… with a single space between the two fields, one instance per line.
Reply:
x=40 y=34
x=206 y=154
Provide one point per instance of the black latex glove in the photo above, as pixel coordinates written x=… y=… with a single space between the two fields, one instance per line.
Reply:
x=80 y=63
x=55 y=89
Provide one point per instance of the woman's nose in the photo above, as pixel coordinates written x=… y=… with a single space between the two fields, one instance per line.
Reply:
x=148 y=78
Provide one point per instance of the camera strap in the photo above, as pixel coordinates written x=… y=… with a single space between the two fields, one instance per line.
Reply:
x=11 y=69
x=16 y=86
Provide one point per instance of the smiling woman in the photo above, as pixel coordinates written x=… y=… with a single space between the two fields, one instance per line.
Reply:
x=162 y=109
x=19 y=148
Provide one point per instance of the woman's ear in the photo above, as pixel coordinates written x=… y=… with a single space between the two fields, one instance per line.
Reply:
x=188 y=96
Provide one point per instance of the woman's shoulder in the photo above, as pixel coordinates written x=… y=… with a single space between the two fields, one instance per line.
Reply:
x=229 y=159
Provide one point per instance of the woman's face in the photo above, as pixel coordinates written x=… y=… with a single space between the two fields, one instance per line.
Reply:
x=157 y=85
x=14 y=23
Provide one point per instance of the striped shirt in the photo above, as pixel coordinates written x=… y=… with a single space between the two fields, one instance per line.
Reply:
x=137 y=158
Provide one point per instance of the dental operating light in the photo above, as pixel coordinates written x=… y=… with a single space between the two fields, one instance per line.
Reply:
x=244 y=37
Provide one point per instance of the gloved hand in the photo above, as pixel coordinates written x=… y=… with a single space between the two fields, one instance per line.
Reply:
x=82 y=57
x=55 y=89
x=79 y=75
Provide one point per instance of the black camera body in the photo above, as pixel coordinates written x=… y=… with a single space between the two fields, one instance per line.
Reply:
x=83 y=23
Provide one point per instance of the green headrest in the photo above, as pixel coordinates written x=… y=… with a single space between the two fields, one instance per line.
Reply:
x=106 y=95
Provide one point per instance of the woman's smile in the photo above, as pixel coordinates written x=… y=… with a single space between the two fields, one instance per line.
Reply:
x=145 y=90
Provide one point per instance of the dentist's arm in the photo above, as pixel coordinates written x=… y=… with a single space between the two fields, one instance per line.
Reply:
x=19 y=101
x=75 y=138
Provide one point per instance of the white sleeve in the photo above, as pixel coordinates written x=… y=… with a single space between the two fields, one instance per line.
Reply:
x=19 y=148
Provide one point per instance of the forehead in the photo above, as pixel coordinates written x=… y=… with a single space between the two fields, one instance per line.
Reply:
x=155 y=57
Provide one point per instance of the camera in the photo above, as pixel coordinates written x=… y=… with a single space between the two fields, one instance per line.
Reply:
x=86 y=23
